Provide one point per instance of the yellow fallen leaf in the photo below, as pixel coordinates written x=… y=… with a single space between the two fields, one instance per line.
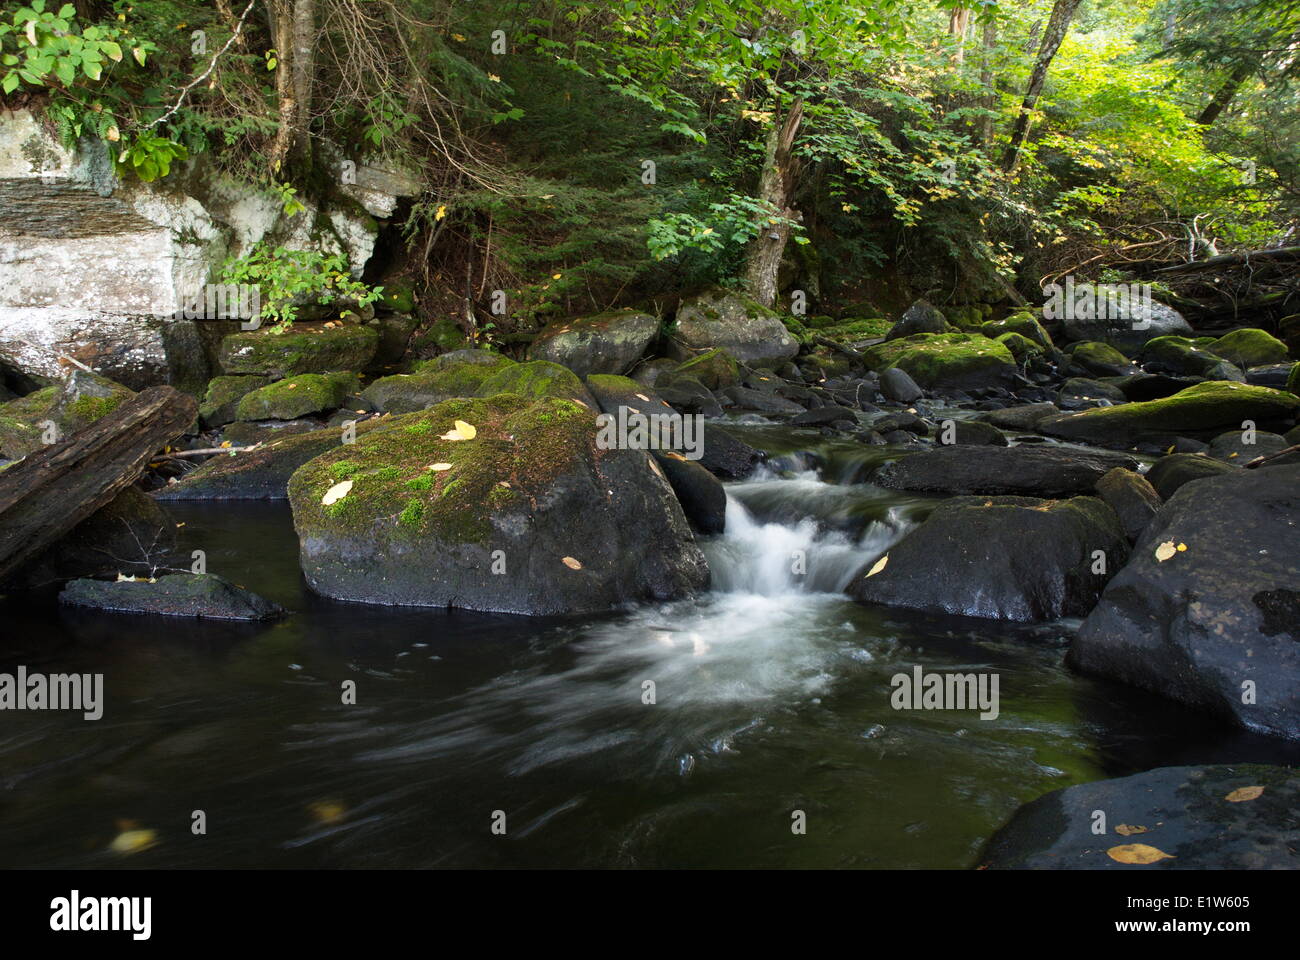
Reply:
x=642 y=396
x=461 y=431
x=1165 y=551
x=439 y=467
x=1182 y=548
x=1124 y=830
x=1137 y=853
x=571 y=563
x=1242 y=794
x=504 y=483
x=674 y=455
x=293 y=386
x=133 y=841
x=442 y=212
x=878 y=566
x=327 y=811
x=336 y=493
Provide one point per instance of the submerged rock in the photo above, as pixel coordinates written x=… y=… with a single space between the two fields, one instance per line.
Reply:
x=1044 y=471
x=1207 y=611
x=606 y=343
x=205 y=596
x=529 y=515
x=1002 y=558
x=1182 y=812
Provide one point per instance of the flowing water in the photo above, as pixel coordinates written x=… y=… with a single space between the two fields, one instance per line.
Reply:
x=771 y=695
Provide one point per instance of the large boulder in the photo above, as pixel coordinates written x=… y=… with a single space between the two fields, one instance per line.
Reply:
x=1132 y=498
x=1002 y=558
x=221 y=400
x=537 y=379
x=946 y=362
x=301 y=348
x=748 y=331
x=1025 y=324
x=205 y=596
x=605 y=343
x=1183 y=357
x=523 y=514
x=1237 y=817
x=1205 y=409
x=713 y=368
x=1207 y=611
x=435 y=381
x=1170 y=472
x=1101 y=360
x=1031 y=470
x=1129 y=335
x=297 y=396
x=920 y=317
x=1250 y=347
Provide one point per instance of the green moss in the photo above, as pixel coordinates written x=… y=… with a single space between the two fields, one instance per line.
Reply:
x=85 y=410
x=950 y=360
x=1250 y=348
x=299 y=349
x=1293 y=381
x=1025 y=324
x=1022 y=348
x=519 y=447
x=344 y=469
x=1098 y=356
x=714 y=368
x=297 y=397
x=538 y=378
x=868 y=328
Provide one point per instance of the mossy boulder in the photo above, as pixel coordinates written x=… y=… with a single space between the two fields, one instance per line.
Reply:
x=1250 y=347
x=1101 y=359
x=528 y=516
x=443 y=334
x=1021 y=347
x=297 y=396
x=920 y=317
x=1293 y=382
x=221 y=401
x=1205 y=409
x=946 y=362
x=713 y=368
x=302 y=348
x=1025 y=324
x=857 y=329
x=750 y=332
x=537 y=379
x=1147 y=322
x=433 y=382
x=605 y=343
x=1184 y=357
x=204 y=596
x=74 y=403
x=398 y=296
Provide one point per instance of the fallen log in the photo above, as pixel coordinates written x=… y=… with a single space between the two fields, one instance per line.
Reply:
x=840 y=348
x=1282 y=254
x=47 y=493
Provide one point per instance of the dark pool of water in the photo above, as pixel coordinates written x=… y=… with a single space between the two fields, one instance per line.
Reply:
x=772 y=696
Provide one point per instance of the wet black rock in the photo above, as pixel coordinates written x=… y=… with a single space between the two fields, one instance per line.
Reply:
x=205 y=596
x=1040 y=471
x=1169 y=473
x=1132 y=498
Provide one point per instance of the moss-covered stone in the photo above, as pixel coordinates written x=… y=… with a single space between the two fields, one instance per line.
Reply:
x=1250 y=348
x=1183 y=356
x=1021 y=347
x=750 y=332
x=1101 y=359
x=443 y=334
x=221 y=401
x=1025 y=324
x=297 y=397
x=536 y=379
x=303 y=348
x=432 y=383
x=714 y=369
x=531 y=488
x=945 y=361
x=1293 y=381
x=398 y=296
x=205 y=596
x=605 y=343
x=854 y=330
x=1204 y=409
x=71 y=406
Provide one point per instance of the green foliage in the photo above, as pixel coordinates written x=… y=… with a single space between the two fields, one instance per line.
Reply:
x=286 y=278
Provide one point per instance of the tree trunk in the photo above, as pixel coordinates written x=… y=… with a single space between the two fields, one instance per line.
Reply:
x=293 y=24
x=1225 y=95
x=958 y=23
x=988 y=81
x=49 y=492
x=1057 y=27
x=776 y=186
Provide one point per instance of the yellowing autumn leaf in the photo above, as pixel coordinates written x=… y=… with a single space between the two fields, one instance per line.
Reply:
x=439 y=467
x=461 y=431
x=1137 y=853
x=1165 y=551
x=336 y=493
x=1124 y=830
x=571 y=563
x=327 y=811
x=133 y=841
x=878 y=566
x=1241 y=794
x=113 y=134
x=442 y=212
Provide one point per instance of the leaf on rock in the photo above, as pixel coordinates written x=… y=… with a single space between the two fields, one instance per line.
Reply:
x=1124 y=830
x=439 y=467
x=878 y=566
x=461 y=431
x=1137 y=853
x=327 y=811
x=336 y=493
x=1165 y=551
x=1241 y=794
x=133 y=841
x=571 y=563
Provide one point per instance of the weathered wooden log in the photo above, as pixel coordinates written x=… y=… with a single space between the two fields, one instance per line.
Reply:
x=840 y=348
x=1283 y=254
x=49 y=492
